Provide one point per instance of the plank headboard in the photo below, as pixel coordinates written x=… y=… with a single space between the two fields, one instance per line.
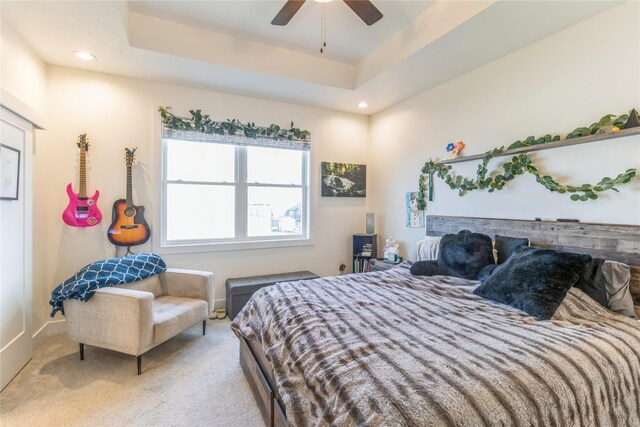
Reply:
x=615 y=242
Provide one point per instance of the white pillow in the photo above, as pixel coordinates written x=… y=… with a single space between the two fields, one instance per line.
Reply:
x=428 y=248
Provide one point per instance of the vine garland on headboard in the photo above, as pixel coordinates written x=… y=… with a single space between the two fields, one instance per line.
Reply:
x=522 y=163
x=203 y=123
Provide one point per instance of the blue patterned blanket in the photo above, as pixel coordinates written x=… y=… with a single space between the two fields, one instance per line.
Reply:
x=105 y=273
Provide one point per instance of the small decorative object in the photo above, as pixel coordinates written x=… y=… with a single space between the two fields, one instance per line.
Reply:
x=608 y=129
x=415 y=216
x=634 y=120
x=370 y=223
x=344 y=180
x=10 y=167
x=391 y=250
x=454 y=149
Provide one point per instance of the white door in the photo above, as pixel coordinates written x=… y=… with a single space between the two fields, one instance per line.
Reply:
x=16 y=341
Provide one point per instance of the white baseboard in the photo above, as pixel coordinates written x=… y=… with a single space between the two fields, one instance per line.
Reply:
x=54 y=327
x=219 y=303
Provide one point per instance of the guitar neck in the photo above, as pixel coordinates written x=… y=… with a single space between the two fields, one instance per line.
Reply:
x=129 y=188
x=83 y=172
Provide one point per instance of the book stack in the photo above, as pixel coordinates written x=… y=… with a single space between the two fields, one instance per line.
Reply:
x=367 y=248
x=361 y=261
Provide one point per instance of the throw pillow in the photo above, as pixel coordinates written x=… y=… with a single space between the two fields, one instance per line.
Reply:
x=425 y=268
x=505 y=246
x=592 y=282
x=429 y=248
x=617 y=277
x=534 y=280
x=461 y=255
x=486 y=271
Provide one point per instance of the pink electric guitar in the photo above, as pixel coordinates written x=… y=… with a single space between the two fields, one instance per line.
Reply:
x=82 y=211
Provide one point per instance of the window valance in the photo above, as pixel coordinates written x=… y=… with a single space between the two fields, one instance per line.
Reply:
x=201 y=128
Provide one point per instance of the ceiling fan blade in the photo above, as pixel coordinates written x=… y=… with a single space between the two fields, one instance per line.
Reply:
x=286 y=13
x=365 y=10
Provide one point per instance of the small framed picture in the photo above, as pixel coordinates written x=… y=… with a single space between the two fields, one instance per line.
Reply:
x=9 y=172
x=415 y=217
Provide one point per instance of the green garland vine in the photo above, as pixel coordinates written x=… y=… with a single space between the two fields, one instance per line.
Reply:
x=203 y=123
x=522 y=163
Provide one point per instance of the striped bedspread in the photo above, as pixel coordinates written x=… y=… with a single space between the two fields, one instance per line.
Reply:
x=391 y=349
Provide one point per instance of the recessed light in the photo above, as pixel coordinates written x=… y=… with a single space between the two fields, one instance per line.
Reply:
x=85 y=56
x=363 y=105
x=322 y=1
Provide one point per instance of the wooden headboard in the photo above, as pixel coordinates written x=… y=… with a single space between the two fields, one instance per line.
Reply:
x=614 y=242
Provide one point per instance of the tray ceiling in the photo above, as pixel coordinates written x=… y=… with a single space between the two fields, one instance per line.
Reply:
x=230 y=46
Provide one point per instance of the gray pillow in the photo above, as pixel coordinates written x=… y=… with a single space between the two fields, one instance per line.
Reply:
x=617 y=277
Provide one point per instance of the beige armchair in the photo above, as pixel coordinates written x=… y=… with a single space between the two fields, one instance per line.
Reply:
x=136 y=317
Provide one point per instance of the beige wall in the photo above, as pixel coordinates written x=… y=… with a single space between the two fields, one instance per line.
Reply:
x=554 y=85
x=23 y=79
x=564 y=81
x=23 y=76
x=120 y=112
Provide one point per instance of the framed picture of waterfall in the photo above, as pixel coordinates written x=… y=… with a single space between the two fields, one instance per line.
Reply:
x=344 y=180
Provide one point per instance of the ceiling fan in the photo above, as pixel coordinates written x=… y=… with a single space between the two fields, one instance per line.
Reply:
x=363 y=8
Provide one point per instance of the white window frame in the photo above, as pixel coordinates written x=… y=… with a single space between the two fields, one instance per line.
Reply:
x=241 y=241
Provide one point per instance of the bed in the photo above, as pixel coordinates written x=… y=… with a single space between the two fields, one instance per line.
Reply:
x=389 y=348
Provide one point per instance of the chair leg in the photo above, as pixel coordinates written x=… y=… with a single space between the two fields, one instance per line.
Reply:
x=204 y=327
x=139 y=360
x=81 y=351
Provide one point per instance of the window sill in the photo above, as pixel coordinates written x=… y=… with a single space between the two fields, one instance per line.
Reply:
x=183 y=248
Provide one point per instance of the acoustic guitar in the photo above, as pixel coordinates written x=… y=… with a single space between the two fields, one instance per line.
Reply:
x=82 y=211
x=128 y=228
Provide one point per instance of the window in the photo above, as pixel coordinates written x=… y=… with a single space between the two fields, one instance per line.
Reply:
x=221 y=192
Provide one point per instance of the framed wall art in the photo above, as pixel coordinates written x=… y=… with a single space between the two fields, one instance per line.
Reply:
x=344 y=180
x=9 y=172
x=415 y=216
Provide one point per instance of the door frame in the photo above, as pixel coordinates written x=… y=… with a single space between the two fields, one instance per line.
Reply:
x=12 y=358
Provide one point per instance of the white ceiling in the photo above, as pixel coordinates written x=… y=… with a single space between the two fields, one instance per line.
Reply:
x=230 y=46
x=348 y=38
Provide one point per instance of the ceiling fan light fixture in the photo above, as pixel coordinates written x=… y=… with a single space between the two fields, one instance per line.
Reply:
x=363 y=104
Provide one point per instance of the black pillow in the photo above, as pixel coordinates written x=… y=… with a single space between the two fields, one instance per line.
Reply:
x=505 y=246
x=592 y=282
x=461 y=255
x=534 y=280
x=486 y=271
x=425 y=268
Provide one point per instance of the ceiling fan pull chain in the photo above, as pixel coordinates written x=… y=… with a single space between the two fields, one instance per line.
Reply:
x=323 y=31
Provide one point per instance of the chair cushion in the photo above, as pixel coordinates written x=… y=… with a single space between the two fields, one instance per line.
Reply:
x=172 y=315
x=150 y=284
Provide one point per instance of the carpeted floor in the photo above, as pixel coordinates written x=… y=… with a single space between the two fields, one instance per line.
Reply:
x=191 y=380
